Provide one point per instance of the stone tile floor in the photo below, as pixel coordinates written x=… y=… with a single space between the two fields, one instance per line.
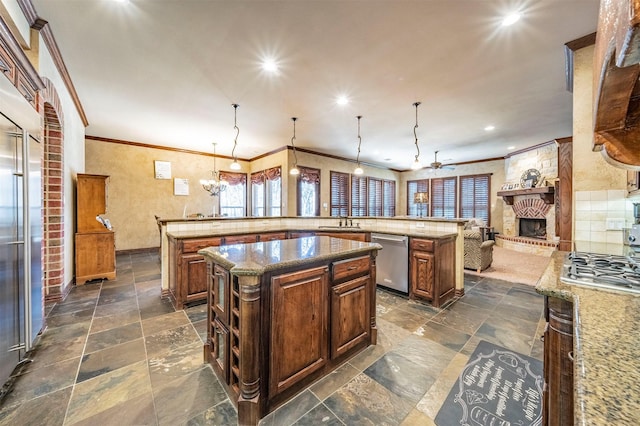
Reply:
x=115 y=353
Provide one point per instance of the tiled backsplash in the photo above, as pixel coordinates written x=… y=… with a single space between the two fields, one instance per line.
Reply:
x=599 y=215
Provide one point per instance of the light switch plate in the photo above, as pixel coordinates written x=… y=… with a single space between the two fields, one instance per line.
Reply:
x=419 y=225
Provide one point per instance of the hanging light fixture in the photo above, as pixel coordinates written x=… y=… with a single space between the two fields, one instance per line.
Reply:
x=215 y=185
x=235 y=165
x=294 y=170
x=416 y=163
x=358 y=170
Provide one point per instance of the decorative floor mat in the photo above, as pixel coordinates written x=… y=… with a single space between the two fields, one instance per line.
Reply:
x=497 y=387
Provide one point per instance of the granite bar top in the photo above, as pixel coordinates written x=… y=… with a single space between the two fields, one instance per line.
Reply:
x=606 y=349
x=259 y=258
x=274 y=218
x=221 y=233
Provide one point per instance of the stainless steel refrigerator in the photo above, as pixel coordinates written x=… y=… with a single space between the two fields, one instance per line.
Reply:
x=21 y=300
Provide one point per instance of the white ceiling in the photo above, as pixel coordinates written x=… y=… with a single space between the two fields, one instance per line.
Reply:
x=165 y=72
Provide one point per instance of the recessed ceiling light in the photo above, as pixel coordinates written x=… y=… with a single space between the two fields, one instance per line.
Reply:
x=269 y=65
x=121 y=1
x=511 y=147
x=342 y=100
x=489 y=128
x=511 y=19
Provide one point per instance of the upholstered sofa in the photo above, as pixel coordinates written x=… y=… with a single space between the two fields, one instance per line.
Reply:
x=478 y=254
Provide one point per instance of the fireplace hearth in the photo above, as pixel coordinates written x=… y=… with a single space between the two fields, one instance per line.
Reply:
x=533 y=228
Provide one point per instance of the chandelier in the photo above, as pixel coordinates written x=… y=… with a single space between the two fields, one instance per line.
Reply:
x=215 y=185
x=416 y=163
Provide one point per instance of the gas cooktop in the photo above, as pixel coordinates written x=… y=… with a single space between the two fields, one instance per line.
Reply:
x=602 y=270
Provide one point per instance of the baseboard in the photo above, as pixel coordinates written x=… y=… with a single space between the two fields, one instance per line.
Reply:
x=138 y=251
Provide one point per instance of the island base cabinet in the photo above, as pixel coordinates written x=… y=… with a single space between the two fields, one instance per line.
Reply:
x=558 y=363
x=422 y=274
x=298 y=326
x=350 y=315
x=432 y=269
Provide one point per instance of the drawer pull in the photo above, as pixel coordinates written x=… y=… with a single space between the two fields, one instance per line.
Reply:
x=570 y=355
x=351 y=268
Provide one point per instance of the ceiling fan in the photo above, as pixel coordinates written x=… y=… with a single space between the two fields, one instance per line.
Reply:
x=437 y=165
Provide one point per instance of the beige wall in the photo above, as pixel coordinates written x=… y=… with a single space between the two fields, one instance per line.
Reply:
x=496 y=168
x=590 y=170
x=600 y=190
x=326 y=165
x=135 y=196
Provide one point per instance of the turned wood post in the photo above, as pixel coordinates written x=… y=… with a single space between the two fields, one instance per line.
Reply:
x=249 y=403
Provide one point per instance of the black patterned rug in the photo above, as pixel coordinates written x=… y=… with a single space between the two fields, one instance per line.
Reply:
x=497 y=387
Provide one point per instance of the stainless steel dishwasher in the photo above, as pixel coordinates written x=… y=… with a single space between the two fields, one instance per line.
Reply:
x=392 y=262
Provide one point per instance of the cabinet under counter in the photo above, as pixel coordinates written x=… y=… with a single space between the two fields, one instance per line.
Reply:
x=282 y=314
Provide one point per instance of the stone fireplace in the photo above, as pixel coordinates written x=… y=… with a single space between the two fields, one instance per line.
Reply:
x=530 y=225
x=529 y=216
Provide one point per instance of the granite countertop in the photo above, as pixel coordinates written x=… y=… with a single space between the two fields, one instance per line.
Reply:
x=261 y=218
x=259 y=258
x=220 y=233
x=606 y=349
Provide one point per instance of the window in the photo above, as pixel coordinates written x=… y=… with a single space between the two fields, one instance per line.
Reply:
x=339 y=187
x=443 y=197
x=414 y=186
x=308 y=197
x=388 y=198
x=266 y=192
x=474 y=197
x=375 y=197
x=233 y=200
x=358 y=196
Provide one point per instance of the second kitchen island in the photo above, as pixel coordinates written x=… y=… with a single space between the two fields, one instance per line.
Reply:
x=283 y=313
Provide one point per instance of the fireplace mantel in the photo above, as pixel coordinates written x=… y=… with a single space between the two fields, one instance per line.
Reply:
x=546 y=193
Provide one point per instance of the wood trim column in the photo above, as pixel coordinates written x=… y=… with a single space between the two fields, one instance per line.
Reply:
x=564 y=194
x=249 y=401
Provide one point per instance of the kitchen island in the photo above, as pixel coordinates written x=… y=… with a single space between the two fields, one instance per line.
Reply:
x=284 y=313
x=601 y=362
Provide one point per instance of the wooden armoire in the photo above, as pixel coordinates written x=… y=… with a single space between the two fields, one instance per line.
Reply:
x=95 y=244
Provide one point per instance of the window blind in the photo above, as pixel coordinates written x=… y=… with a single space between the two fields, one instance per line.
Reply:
x=375 y=197
x=339 y=189
x=389 y=198
x=474 y=197
x=443 y=197
x=358 y=196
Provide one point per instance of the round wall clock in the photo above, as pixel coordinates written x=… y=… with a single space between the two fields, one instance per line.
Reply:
x=532 y=175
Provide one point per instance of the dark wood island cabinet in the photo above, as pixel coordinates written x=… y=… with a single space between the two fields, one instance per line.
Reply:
x=558 y=363
x=432 y=275
x=283 y=313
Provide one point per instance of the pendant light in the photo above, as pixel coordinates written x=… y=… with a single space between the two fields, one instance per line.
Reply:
x=358 y=170
x=416 y=163
x=215 y=185
x=294 y=170
x=235 y=165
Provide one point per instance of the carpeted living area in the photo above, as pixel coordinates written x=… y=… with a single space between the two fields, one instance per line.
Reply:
x=514 y=266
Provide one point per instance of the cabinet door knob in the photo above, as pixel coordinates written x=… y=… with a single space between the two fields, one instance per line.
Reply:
x=542 y=338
